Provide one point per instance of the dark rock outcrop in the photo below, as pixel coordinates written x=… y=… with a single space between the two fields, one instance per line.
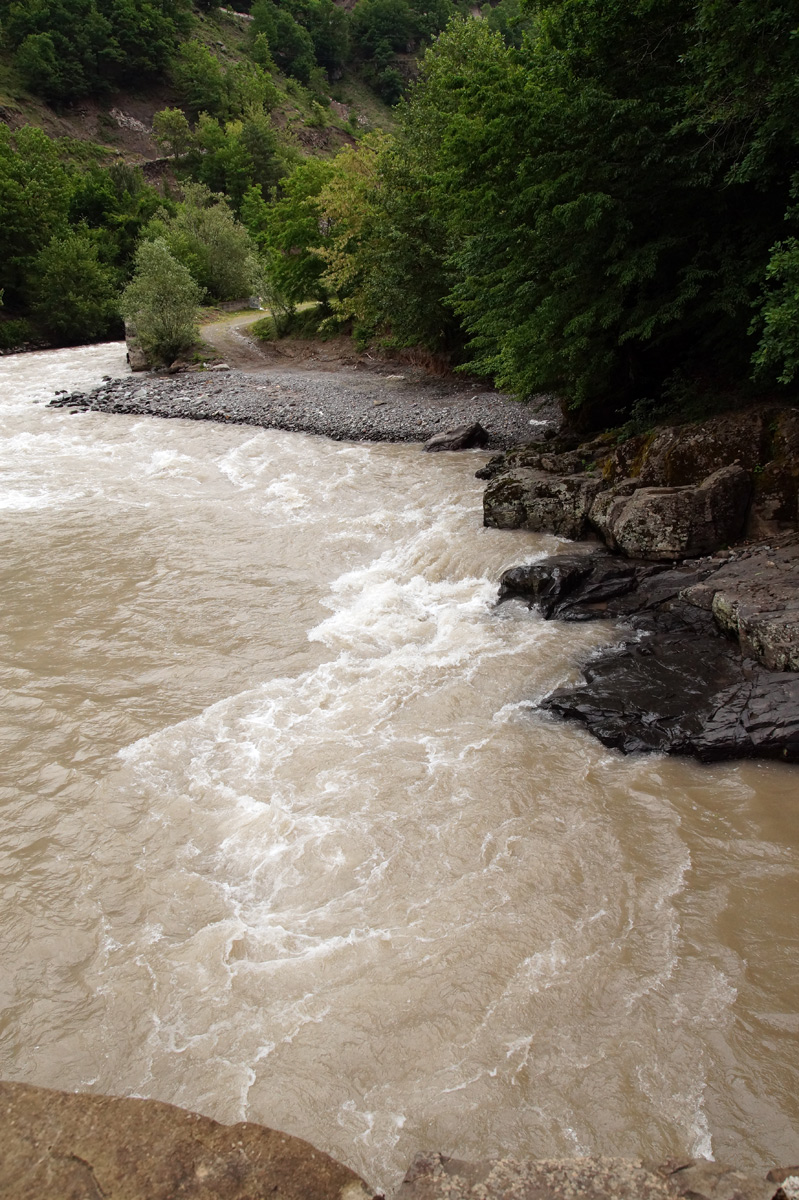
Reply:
x=137 y=359
x=678 y=683
x=85 y=1147
x=462 y=437
x=435 y=1177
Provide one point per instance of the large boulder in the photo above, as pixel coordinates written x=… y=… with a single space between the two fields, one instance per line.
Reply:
x=667 y=524
x=676 y=684
x=462 y=437
x=763 y=440
x=676 y=455
x=82 y=1147
x=532 y=499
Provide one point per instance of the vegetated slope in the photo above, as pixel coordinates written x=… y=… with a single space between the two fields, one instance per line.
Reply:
x=593 y=199
x=81 y=84
x=120 y=118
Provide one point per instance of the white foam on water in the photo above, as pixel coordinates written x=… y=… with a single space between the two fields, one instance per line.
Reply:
x=357 y=889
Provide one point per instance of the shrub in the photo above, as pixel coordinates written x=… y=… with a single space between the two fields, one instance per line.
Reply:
x=73 y=294
x=162 y=303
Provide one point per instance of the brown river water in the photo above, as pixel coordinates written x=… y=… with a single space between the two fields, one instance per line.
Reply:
x=282 y=839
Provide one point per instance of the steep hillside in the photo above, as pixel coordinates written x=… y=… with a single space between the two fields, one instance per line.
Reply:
x=121 y=121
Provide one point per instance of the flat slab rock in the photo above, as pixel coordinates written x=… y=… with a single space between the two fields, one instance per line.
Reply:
x=434 y=1177
x=678 y=682
x=64 y=1146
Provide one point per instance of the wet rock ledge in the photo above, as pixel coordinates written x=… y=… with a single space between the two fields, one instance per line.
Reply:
x=700 y=560
x=66 y=1146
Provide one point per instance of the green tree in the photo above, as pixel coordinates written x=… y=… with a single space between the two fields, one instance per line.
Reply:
x=777 y=353
x=172 y=132
x=593 y=242
x=290 y=234
x=204 y=235
x=290 y=44
x=71 y=48
x=73 y=295
x=382 y=22
x=200 y=80
x=35 y=192
x=162 y=302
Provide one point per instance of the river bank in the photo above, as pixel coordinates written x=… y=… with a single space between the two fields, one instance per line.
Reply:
x=352 y=405
x=710 y=670
x=86 y=1147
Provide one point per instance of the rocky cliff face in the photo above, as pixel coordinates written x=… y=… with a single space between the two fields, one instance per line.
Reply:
x=673 y=494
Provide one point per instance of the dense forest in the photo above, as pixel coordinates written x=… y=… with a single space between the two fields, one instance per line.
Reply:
x=592 y=198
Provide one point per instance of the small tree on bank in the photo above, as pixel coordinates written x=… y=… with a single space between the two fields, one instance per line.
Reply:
x=162 y=302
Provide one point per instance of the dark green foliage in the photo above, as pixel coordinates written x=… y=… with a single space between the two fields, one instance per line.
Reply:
x=596 y=187
x=511 y=18
x=15 y=333
x=73 y=293
x=208 y=86
x=290 y=44
x=778 y=318
x=35 y=194
x=288 y=232
x=71 y=48
x=200 y=80
x=203 y=234
x=116 y=203
x=382 y=24
x=67 y=237
x=230 y=158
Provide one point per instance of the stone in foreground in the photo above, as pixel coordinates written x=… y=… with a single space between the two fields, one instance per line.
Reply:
x=62 y=1146
x=462 y=437
x=434 y=1177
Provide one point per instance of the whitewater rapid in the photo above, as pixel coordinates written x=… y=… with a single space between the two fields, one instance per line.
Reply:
x=285 y=840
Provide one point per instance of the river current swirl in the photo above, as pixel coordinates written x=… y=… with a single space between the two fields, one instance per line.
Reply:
x=282 y=838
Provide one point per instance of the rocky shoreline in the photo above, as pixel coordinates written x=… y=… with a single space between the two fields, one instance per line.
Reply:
x=696 y=669
x=77 y=1146
x=351 y=405
x=700 y=561
x=699 y=525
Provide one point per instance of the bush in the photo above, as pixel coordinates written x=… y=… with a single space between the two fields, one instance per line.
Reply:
x=206 y=238
x=162 y=302
x=14 y=333
x=73 y=294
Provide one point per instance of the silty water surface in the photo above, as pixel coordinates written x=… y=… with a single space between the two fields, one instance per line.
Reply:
x=282 y=840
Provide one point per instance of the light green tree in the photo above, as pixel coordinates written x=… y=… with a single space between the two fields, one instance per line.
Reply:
x=172 y=132
x=162 y=302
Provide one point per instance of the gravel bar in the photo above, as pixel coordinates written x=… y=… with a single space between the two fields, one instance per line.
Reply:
x=348 y=405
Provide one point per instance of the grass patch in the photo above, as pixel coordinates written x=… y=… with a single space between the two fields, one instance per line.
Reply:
x=303 y=323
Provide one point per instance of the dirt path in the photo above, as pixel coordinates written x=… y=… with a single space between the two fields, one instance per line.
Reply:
x=233 y=344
